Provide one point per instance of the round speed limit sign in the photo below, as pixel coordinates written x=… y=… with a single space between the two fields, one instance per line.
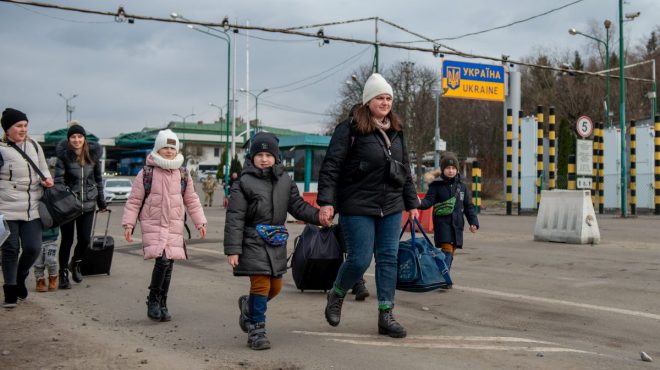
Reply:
x=584 y=127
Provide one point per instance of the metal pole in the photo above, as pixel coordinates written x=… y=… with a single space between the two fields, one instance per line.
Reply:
x=436 y=155
x=375 y=65
x=622 y=112
x=654 y=97
x=228 y=115
x=607 y=79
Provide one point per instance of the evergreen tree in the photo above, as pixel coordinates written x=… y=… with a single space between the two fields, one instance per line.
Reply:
x=235 y=165
x=221 y=166
x=566 y=146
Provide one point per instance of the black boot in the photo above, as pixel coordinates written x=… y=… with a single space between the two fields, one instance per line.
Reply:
x=387 y=325
x=360 y=290
x=244 y=318
x=21 y=288
x=153 y=305
x=76 y=275
x=257 y=339
x=333 y=308
x=64 y=279
x=11 y=297
x=164 y=312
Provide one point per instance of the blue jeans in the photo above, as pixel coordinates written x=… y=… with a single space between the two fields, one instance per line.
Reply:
x=366 y=236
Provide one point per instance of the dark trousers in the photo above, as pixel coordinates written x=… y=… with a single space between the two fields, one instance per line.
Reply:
x=25 y=235
x=83 y=228
x=161 y=276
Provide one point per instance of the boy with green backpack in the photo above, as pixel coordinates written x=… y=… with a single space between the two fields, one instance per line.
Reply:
x=450 y=200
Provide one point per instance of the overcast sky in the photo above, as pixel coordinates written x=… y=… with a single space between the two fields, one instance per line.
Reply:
x=128 y=76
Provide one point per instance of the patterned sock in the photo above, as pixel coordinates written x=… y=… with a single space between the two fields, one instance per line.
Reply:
x=383 y=307
x=340 y=292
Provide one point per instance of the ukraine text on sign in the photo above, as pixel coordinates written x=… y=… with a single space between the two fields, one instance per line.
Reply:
x=473 y=81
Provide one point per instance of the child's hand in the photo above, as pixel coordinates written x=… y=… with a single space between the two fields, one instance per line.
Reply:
x=202 y=231
x=473 y=229
x=232 y=260
x=128 y=234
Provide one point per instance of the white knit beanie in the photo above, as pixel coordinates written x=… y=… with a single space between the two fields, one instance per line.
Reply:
x=375 y=86
x=166 y=139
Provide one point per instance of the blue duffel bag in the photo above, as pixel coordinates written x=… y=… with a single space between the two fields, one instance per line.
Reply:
x=421 y=266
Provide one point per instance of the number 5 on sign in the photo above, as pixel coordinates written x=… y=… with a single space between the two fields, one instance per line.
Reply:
x=584 y=127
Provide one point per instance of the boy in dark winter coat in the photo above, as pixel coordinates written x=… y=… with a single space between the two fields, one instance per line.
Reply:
x=450 y=200
x=255 y=235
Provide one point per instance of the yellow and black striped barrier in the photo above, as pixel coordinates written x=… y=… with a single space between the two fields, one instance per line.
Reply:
x=520 y=117
x=572 y=178
x=657 y=165
x=601 y=170
x=476 y=186
x=539 y=154
x=633 y=168
x=509 y=160
x=552 y=167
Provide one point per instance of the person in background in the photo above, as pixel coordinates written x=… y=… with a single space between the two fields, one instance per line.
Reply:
x=78 y=168
x=20 y=191
x=451 y=201
x=356 y=181
x=209 y=184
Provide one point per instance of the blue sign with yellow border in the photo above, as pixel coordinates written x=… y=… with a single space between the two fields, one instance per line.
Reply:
x=472 y=81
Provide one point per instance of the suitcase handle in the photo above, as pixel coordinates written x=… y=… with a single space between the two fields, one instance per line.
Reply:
x=107 y=226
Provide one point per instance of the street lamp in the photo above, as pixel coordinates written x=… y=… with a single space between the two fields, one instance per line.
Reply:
x=256 y=105
x=225 y=37
x=606 y=43
x=219 y=108
x=183 y=119
x=69 y=108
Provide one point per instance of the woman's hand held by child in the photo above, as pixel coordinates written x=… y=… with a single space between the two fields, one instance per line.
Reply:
x=232 y=260
x=473 y=229
x=202 y=231
x=128 y=231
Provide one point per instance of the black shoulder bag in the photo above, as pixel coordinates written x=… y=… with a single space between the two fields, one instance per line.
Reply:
x=58 y=205
x=398 y=172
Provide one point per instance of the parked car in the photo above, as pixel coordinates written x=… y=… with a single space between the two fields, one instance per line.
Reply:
x=202 y=175
x=117 y=189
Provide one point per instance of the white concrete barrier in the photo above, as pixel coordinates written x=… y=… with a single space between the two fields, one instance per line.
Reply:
x=567 y=216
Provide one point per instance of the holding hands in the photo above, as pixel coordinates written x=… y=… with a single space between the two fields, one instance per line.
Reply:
x=473 y=229
x=326 y=214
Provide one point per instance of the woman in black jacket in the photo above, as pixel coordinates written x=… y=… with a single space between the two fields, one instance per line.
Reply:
x=79 y=168
x=366 y=178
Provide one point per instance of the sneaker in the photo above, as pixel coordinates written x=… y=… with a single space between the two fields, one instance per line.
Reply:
x=243 y=319
x=257 y=339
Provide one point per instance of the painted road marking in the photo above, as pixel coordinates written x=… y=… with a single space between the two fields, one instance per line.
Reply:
x=448 y=342
x=524 y=297
x=560 y=302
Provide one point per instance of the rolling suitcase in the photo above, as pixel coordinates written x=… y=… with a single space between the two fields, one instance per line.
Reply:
x=316 y=258
x=97 y=258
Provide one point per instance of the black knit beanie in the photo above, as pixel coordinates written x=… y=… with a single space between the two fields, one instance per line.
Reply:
x=265 y=142
x=75 y=129
x=449 y=159
x=10 y=116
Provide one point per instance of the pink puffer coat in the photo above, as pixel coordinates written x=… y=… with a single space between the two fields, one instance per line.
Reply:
x=162 y=216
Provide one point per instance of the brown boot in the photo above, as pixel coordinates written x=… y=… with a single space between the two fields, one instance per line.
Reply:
x=52 y=282
x=41 y=285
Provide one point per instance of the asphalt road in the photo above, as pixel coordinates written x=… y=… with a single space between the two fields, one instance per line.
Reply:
x=516 y=303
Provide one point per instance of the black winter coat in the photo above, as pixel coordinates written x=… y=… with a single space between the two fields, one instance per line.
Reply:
x=262 y=197
x=354 y=176
x=85 y=181
x=449 y=229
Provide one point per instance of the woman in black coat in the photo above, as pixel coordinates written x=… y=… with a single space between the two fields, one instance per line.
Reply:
x=366 y=178
x=79 y=168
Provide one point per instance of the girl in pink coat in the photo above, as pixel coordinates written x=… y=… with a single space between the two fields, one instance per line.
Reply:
x=160 y=209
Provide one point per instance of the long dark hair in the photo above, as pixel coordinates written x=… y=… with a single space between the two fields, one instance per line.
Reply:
x=84 y=157
x=364 y=121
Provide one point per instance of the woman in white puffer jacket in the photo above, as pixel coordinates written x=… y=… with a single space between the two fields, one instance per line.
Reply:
x=20 y=191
